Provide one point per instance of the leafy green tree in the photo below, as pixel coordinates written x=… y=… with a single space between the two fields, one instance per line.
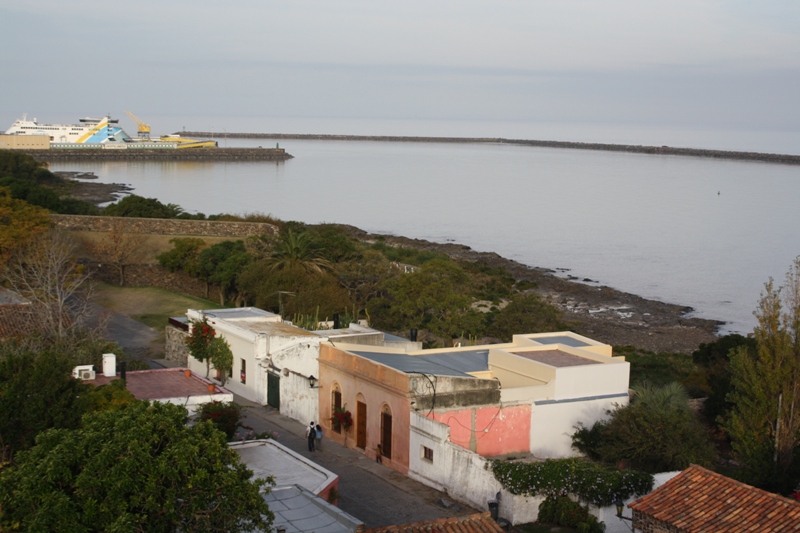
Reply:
x=201 y=334
x=527 y=313
x=297 y=250
x=184 y=256
x=656 y=432
x=764 y=423
x=713 y=362
x=137 y=469
x=19 y=222
x=434 y=298
x=221 y=265
x=366 y=276
x=309 y=293
x=138 y=206
x=111 y=397
x=37 y=392
x=220 y=354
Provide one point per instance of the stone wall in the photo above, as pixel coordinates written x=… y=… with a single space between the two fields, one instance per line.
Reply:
x=175 y=348
x=163 y=226
x=197 y=154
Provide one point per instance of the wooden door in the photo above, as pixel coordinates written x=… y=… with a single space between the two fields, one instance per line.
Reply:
x=361 y=425
x=273 y=391
x=386 y=434
x=337 y=404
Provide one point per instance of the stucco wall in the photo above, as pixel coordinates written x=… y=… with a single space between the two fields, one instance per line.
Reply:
x=490 y=430
x=377 y=385
x=552 y=424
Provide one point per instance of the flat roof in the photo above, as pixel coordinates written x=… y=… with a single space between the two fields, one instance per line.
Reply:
x=555 y=358
x=461 y=361
x=270 y=458
x=559 y=339
x=239 y=312
x=161 y=384
x=411 y=364
x=298 y=511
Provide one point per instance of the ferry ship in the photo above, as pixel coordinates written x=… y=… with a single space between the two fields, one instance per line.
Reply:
x=99 y=133
x=90 y=130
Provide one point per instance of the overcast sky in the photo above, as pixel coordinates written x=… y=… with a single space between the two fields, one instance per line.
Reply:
x=725 y=64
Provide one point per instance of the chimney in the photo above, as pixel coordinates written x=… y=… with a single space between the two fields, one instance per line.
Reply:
x=413 y=335
x=336 y=324
x=109 y=365
x=123 y=370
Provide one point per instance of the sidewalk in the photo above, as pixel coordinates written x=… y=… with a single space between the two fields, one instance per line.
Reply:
x=371 y=492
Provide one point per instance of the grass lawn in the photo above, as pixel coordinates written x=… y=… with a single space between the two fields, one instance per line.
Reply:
x=149 y=305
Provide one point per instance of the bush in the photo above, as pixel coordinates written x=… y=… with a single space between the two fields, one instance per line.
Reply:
x=226 y=416
x=562 y=511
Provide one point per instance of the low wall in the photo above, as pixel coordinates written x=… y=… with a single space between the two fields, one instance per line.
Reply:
x=659 y=150
x=189 y=154
x=163 y=226
x=175 y=348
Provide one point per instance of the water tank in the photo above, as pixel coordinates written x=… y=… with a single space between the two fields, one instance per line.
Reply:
x=109 y=365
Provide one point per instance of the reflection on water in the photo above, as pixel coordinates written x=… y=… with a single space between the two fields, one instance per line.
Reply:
x=692 y=231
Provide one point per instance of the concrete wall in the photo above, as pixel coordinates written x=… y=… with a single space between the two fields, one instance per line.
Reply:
x=185 y=154
x=163 y=226
x=553 y=423
x=294 y=359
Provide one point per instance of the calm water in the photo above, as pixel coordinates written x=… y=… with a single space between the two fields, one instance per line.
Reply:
x=696 y=232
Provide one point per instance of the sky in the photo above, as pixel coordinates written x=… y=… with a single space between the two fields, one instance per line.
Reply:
x=683 y=63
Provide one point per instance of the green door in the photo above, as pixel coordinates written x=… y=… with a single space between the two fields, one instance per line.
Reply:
x=273 y=390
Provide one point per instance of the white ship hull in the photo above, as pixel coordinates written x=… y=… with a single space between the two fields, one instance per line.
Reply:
x=89 y=131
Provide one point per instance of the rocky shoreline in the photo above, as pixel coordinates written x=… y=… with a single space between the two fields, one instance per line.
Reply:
x=600 y=312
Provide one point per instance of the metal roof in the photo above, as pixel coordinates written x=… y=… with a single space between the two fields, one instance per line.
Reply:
x=466 y=361
x=411 y=364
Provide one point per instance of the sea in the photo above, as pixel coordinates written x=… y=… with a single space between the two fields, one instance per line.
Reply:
x=693 y=231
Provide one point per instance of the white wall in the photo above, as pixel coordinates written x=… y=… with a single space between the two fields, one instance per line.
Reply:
x=297 y=358
x=553 y=424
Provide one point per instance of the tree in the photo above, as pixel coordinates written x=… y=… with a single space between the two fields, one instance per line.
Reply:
x=45 y=272
x=116 y=248
x=138 y=206
x=19 y=222
x=199 y=339
x=37 y=392
x=184 y=256
x=433 y=298
x=221 y=264
x=764 y=423
x=297 y=250
x=137 y=469
x=656 y=432
x=220 y=355
x=713 y=361
x=527 y=313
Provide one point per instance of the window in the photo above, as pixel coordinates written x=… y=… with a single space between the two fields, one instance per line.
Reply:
x=427 y=454
x=243 y=375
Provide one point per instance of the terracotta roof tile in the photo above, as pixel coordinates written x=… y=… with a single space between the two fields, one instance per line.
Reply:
x=476 y=523
x=698 y=501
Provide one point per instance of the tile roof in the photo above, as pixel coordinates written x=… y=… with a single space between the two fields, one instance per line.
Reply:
x=476 y=523
x=698 y=501
x=161 y=384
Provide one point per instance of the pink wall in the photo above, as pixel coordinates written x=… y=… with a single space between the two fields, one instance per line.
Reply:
x=489 y=431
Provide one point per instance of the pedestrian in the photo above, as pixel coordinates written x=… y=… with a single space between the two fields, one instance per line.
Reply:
x=379 y=454
x=318 y=437
x=311 y=435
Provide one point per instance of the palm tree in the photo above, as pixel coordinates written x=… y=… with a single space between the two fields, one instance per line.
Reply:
x=297 y=250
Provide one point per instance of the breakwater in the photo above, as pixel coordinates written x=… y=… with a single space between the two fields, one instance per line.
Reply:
x=188 y=154
x=786 y=159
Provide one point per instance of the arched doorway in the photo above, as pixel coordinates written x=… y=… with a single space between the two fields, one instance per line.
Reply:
x=386 y=431
x=361 y=422
x=336 y=403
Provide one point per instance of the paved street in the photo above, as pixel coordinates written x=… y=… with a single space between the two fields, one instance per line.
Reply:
x=374 y=494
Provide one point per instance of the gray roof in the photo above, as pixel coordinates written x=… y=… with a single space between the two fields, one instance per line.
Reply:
x=300 y=511
x=423 y=364
x=467 y=361
x=560 y=339
x=238 y=312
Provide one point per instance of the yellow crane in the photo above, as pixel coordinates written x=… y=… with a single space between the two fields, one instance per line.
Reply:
x=144 y=129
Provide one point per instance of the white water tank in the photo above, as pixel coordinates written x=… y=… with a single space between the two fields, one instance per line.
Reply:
x=109 y=365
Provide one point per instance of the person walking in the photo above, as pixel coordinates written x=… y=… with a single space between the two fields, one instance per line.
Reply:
x=311 y=436
x=318 y=437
